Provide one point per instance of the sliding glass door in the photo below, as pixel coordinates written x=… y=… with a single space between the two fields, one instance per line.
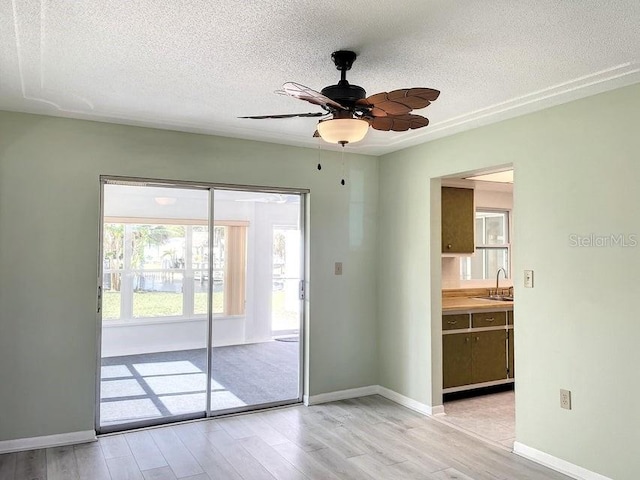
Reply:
x=200 y=306
x=256 y=349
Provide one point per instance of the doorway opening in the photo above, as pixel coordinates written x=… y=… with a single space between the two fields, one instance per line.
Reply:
x=478 y=347
x=190 y=311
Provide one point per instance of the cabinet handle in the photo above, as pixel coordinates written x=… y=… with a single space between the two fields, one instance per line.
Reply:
x=452 y=322
x=477 y=338
x=448 y=246
x=489 y=319
x=466 y=339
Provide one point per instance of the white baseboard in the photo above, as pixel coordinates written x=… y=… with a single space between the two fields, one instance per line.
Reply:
x=47 y=441
x=374 y=390
x=340 y=395
x=409 y=402
x=555 y=463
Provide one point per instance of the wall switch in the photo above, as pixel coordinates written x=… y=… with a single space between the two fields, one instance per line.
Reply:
x=528 y=278
x=565 y=399
x=338 y=268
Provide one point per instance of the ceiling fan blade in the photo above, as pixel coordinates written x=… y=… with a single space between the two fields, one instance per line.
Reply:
x=309 y=95
x=399 y=102
x=288 y=115
x=398 y=123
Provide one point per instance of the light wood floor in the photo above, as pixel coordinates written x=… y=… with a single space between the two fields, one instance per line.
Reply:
x=366 y=438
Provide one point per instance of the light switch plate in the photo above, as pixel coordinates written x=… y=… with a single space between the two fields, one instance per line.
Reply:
x=338 y=268
x=565 y=399
x=528 y=278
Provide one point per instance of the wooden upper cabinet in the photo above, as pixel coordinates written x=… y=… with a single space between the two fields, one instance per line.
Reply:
x=458 y=219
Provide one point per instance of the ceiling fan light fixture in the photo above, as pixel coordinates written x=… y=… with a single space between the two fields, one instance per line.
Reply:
x=343 y=130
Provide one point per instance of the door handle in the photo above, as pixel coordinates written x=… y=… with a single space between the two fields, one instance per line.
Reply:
x=99 y=309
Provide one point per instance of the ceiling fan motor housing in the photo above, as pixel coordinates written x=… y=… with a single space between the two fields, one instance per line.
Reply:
x=344 y=93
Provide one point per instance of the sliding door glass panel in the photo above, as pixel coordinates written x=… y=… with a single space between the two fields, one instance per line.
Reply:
x=256 y=323
x=285 y=299
x=155 y=303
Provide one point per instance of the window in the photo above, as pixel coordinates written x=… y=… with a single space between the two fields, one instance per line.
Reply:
x=160 y=268
x=492 y=246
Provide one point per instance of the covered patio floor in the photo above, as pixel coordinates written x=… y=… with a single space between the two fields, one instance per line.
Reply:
x=154 y=385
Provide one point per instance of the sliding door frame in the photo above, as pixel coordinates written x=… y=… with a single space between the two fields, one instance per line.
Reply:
x=211 y=188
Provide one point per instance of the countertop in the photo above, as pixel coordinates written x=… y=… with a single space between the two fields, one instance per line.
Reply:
x=468 y=303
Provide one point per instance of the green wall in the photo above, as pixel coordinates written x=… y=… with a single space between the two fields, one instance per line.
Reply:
x=49 y=218
x=577 y=171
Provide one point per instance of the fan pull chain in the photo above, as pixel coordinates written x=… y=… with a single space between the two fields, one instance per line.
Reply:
x=319 y=149
x=342 y=182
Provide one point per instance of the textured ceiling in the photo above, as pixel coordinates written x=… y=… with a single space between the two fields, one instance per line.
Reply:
x=196 y=65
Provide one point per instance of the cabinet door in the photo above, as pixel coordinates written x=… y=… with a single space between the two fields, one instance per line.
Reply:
x=512 y=365
x=458 y=219
x=456 y=360
x=489 y=356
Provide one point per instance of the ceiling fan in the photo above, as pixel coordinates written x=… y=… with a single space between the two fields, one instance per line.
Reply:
x=349 y=112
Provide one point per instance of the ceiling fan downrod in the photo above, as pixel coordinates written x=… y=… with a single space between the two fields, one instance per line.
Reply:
x=343 y=92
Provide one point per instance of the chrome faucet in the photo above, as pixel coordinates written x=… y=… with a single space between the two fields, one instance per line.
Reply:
x=498 y=278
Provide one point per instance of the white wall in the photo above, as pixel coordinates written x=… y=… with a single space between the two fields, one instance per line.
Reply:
x=576 y=172
x=49 y=219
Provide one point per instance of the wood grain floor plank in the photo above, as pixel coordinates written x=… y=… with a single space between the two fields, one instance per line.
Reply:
x=294 y=431
x=338 y=465
x=161 y=473
x=271 y=459
x=395 y=443
x=324 y=429
x=262 y=429
x=91 y=462
x=208 y=425
x=343 y=427
x=61 y=464
x=114 y=446
x=451 y=474
x=175 y=453
x=31 y=465
x=210 y=459
x=299 y=458
x=243 y=462
x=145 y=451
x=355 y=410
x=7 y=466
x=379 y=471
x=124 y=468
x=235 y=427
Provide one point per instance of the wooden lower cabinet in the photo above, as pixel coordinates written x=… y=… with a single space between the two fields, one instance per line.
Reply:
x=512 y=365
x=456 y=360
x=488 y=356
x=474 y=357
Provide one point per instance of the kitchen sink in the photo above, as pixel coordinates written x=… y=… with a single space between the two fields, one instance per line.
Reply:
x=500 y=298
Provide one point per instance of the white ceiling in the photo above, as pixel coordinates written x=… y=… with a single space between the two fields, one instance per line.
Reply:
x=196 y=65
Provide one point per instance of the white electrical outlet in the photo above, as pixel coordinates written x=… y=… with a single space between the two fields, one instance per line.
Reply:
x=528 y=278
x=565 y=399
x=338 y=268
